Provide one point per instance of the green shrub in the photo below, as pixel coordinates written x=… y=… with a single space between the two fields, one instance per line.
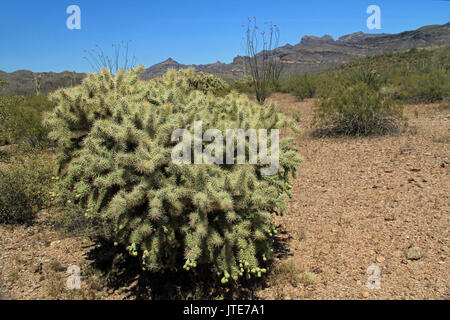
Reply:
x=441 y=58
x=7 y=118
x=21 y=119
x=114 y=134
x=297 y=116
x=365 y=75
x=244 y=85
x=40 y=103
x=303 y=86
x=427 y=87
x=25 y=184
x=358 y=110
x=70 y=218
x=417 y=76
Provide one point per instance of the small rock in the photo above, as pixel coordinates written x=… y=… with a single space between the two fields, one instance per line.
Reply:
x=380 y=259
x=365 y=294
x=415 y=169
x=414 y=253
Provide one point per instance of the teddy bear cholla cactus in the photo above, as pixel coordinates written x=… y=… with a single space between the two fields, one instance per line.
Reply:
x=206 y=82
x=114 y=134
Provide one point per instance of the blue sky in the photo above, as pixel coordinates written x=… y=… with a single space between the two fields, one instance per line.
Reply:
x=34 y=36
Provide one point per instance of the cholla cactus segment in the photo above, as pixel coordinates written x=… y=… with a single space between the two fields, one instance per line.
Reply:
x=206 y=82
x=114 y=134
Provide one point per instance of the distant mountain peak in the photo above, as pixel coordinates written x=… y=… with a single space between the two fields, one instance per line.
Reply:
x=311 y=40
x=170 y=60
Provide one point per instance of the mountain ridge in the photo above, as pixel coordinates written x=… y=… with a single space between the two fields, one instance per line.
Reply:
x=311 y=54
x=315 y=54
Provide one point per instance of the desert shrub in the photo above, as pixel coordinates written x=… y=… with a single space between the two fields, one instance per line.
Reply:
x=69 y=217
x=114 y=134
x=40 y=103
x=7 y=119
x=358 y=110
x=418 y=76
x=247 y=86
x=425 y=87
x=206 y=82
x=441 y=58
x=25 y=184
x=297 y=116
x=367 y=76
x=21 y=119
x=243 y=85
x=303 y=86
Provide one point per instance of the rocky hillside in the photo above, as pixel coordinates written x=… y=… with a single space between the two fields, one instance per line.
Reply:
x=23 y=81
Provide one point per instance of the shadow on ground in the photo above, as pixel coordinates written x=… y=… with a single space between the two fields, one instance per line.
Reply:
x=123 y=271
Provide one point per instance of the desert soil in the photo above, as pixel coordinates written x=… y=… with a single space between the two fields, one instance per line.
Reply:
x=357 y=202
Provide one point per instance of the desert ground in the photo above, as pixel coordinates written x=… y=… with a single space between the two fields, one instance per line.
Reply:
x=356 y=202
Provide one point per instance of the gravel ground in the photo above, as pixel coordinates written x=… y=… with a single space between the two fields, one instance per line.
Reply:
x=381 y=201
x=367 y=201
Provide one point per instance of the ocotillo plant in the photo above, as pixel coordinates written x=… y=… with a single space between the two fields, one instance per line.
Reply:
x=119 y=59
x=264 y=65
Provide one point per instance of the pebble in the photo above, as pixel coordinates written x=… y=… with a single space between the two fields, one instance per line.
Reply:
x=414 y=253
